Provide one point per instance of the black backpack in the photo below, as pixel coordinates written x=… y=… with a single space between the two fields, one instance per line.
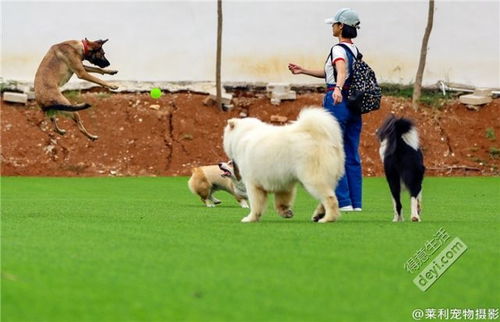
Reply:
x=364 y=92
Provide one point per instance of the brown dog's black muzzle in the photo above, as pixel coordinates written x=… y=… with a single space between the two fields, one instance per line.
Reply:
x=100 y=62
x=97 y=58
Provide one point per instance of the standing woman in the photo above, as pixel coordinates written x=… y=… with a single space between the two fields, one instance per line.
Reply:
x=336 y=74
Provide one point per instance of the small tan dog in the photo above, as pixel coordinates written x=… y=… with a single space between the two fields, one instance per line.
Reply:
x=59 y=64
x=208 y=179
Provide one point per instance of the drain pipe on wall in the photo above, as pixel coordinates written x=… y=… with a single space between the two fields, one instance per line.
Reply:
x=444 y=88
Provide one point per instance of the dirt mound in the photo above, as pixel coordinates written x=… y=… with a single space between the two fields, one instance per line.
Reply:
x=140 y=136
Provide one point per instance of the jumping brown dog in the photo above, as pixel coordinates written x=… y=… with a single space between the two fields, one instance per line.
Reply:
x=59 y=64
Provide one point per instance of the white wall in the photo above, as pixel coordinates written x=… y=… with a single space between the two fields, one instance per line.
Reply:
x=175 y=40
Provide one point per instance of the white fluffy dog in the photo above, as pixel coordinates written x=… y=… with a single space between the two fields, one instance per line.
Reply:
x=274 y=158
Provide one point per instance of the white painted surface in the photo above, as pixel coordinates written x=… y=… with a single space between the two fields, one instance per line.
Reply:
x=15 y=97
x=175 y=40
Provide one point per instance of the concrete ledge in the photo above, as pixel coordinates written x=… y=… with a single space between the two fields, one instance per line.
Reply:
x=473 y=99
x=290 y=95
x=201 y=87
x=15 y=97
x=278 y=92
x=483 y=91
x=278 y=87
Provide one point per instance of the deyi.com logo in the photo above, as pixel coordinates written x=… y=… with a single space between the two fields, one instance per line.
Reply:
x=439 y=264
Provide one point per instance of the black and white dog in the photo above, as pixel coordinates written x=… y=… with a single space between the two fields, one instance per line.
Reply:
x=403 y=162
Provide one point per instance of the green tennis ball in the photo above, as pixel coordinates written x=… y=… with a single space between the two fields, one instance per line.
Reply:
x=155 y=93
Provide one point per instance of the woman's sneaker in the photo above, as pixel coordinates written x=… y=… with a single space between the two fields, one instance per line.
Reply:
x=350 y=208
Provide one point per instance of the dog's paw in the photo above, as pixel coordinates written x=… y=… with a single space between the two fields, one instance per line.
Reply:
x=244 y=204
x=113 y=86
x=415 y=219
x=112 y=72
x=317 y=217
x=210 y=205
x=249 y=218
x=326 y=219
x=287 y=213
x=397 y=218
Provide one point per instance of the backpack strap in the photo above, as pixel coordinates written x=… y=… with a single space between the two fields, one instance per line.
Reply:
x=349 y=51
x=350 y=61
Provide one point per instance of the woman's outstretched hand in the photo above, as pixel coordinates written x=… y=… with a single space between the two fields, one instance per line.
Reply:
x=295 y=69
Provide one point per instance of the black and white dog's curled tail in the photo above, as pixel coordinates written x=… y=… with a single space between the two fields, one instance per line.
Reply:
x=394 y=128
x=63 y=107
x=386 y=133
x=403 y=126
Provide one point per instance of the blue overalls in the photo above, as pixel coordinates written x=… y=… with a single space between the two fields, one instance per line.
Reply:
x=349 y=187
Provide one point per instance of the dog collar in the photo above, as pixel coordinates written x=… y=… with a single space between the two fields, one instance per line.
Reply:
x=85 y=47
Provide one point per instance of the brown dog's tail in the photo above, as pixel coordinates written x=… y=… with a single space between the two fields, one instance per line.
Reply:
x=63 y=107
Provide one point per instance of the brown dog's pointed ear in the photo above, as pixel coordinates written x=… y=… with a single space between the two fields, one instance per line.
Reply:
x=231 y=123
x=97 y=44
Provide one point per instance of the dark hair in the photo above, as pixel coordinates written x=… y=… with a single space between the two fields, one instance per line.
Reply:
x=349 y=32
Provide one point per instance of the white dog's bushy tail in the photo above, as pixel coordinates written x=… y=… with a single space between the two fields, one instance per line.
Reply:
x=318 y=122
x=326 y=142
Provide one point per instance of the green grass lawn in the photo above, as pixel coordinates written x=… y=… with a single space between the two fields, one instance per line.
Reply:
x=146 y=249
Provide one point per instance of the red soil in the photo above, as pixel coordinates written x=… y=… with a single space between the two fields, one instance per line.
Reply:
x=137 y=140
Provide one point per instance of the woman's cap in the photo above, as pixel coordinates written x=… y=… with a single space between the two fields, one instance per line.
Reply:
x=346 y=16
